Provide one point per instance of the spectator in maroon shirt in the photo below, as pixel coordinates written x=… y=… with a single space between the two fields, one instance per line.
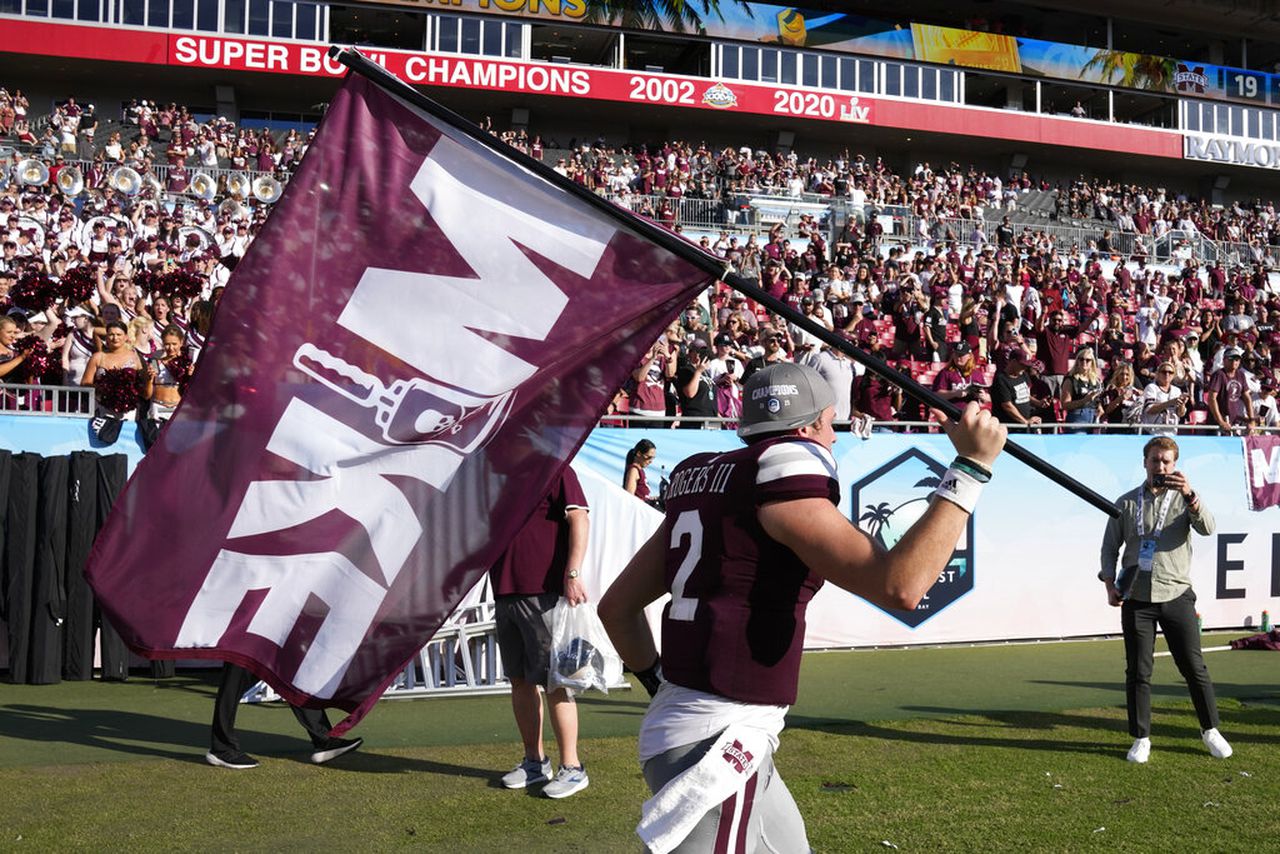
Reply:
x=908 y=313
x=1230 y=403
x=1145 y=361
x=955 y=382
x=542 y=564
x=875 y=396
x=1055 y=342
x=638 y=459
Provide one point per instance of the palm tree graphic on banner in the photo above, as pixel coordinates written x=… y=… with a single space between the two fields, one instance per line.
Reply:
x=888 y=502
x=672 y=15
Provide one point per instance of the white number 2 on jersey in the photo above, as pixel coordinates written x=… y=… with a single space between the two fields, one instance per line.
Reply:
x=682 y=607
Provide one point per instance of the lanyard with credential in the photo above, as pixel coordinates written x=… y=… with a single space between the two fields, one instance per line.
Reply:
x=1147 y=544
x=1162 y=513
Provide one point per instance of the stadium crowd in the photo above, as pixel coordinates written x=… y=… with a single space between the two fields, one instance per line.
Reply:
x=1156 y=211
x=1041 y=332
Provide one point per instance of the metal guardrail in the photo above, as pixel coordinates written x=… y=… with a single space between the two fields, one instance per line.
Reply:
x=79 y=402
x=1164 y=249
x=1048 y=428
x=70 y=401
x=758 y=213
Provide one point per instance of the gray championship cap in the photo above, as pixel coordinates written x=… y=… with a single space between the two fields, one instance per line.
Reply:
x=782 y=397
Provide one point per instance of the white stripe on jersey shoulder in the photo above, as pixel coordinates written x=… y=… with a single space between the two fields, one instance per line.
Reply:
x=793 y=459
x=569 y=507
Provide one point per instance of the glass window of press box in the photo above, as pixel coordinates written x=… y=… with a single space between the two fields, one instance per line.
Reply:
x=475 y=36
x=1230 y=120
x=277 y=18
x=830 y=71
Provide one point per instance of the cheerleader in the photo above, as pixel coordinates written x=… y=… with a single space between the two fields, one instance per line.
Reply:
x=78 y=347
x=165 y=377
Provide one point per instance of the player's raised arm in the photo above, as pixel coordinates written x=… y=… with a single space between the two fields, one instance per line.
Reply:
x=897 y=578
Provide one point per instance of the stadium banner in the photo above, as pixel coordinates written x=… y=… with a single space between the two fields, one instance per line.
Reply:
x=802 y=27
x=453 y=324
x=764 y=24
x=52 y=436
x=787 y=103
x=1259 y=154
x=1027 y=568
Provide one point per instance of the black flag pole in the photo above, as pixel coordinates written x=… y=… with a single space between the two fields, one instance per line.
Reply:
x=367 y=68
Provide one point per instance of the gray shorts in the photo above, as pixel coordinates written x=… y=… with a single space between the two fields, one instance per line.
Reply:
x=765 y=817
x=524 y=635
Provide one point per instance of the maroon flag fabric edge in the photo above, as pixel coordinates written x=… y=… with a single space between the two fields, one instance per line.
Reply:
x=1262 y=471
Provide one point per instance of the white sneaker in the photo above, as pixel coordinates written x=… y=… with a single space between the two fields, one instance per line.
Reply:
x=567 y=782
x=1216 y=743
x=530 y=772
x=1141 y=750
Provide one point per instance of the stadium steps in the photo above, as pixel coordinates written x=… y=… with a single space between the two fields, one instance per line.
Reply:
x=1034 y=208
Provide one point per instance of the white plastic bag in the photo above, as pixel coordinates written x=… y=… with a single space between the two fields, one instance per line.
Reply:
x=581 y=656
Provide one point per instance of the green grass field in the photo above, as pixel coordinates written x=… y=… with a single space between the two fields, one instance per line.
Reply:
x=964 y=749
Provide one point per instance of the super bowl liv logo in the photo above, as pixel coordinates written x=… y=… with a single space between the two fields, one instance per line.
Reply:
x=888 y=501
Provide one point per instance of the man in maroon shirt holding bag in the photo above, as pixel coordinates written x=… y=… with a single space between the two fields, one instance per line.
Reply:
x=543 y=563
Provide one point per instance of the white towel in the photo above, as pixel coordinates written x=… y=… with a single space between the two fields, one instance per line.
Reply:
x=669 y=816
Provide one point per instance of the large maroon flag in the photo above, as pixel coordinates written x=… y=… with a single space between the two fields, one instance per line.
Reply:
x=419 y=339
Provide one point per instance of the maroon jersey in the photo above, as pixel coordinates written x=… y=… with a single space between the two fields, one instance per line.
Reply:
x=535 y=561
x=735 y=623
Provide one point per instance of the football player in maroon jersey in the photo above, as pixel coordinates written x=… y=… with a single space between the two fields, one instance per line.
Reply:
x=749 y=537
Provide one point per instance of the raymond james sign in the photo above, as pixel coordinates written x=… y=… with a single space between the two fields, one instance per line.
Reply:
x=1237 y=152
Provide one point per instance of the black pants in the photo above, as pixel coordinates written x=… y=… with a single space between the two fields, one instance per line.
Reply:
x=235 y=681
x=1177 y=618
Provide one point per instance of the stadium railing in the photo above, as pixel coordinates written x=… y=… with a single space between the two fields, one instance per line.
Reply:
x=1047 y=428
x=74 y=401
x=79 y=402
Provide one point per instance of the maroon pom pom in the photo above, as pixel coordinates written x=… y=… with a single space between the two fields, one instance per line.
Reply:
x=181 y=283
x=145 y=280
x=34 y=292
x=180 y=367
x=39 y=366
x=118 y=390
x=79 y=284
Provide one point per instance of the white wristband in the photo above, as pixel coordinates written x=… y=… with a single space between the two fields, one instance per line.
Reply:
x=960 y=488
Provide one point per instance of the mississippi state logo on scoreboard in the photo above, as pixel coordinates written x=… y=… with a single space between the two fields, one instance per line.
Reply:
x=888 y=501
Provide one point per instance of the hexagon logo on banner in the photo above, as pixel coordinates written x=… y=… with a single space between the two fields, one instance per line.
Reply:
x=888 y=501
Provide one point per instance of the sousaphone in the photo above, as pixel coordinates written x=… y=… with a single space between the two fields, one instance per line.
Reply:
x=203 y=186
x=70 y=181
x=239 y=185
x=267 y=189
x=232 y=209
x=31 y=173
x=30 y=223
x=126 y=181
x=206 y=239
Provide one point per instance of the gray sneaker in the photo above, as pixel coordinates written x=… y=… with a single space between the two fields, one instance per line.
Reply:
x=528 y=773
x=567 y=782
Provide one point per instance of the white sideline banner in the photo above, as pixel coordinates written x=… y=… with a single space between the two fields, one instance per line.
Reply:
x=1028 y=566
